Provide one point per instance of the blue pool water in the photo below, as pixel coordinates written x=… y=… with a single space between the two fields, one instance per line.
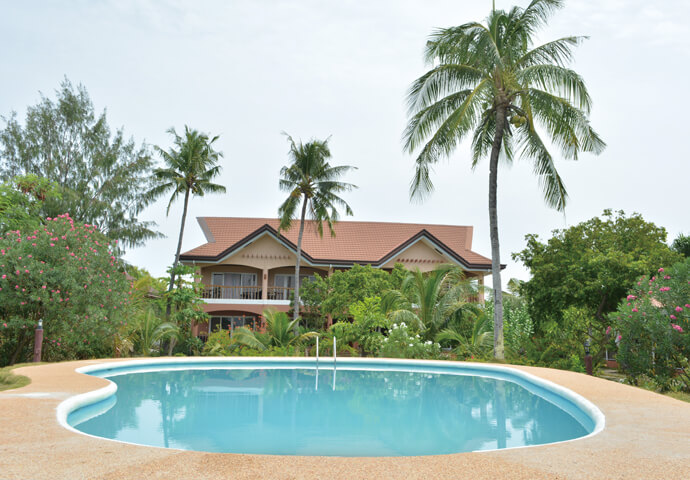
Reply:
x=264 y=409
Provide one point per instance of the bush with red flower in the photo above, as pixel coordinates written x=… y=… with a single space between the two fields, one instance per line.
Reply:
x=69 y=275
x=654 y=328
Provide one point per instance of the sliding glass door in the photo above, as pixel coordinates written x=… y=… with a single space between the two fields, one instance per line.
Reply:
x=235 y=285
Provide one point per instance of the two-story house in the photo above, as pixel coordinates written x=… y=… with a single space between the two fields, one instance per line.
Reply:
x=247 y=265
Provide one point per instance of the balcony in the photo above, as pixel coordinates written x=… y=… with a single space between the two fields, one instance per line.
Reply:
x=242 y=294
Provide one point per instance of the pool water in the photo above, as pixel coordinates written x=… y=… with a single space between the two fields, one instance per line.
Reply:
x=349 y=412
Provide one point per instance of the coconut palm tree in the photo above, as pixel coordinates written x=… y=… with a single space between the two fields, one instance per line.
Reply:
x=280 y=332
x=190 y=167
x=312 y=182
x=426 y=301
x=489 y=82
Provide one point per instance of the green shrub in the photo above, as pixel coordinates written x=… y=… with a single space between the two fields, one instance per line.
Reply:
x=218 y=343
x=400 y=343
x=366 y=328
x=653 y=328
x=69 y=275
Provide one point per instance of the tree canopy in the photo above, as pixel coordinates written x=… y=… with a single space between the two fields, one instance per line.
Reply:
x=682 y=245
x=591 y=265
x=101 y=177
x=333 y=295
x=21 y=202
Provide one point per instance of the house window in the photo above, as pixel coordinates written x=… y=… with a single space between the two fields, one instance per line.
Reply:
x=232 y=322
x=235 y=285
x=288 y=281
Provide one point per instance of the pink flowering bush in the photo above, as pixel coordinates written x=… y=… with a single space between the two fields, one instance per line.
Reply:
x=68 y=275
x=653 y=323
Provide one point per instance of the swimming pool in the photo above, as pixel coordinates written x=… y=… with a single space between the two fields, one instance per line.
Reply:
x=363 y=407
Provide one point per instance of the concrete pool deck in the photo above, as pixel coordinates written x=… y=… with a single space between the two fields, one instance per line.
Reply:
x=647 y=436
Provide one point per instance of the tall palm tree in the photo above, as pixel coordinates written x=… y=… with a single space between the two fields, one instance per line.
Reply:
x=491 y=83
x=191 y=165
x=427 y=301
x=312 y=182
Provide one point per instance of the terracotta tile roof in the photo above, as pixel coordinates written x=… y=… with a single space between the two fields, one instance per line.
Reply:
x=354 y=242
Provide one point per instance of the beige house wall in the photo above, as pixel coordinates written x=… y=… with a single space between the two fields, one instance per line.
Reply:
x=291 y=271
x=207 y=272
x=264 y=253
x=421 y=255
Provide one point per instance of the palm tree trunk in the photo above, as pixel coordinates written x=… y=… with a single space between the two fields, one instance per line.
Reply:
x=493 y=230
x=179 y=248
x=295 y=310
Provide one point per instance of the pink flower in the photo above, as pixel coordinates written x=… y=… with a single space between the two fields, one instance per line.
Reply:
x=634 y=309
x=44 y=287
x=608 y=330
x=631 y=297
x=619 y=338
x=679 y=309
x=673 y=317
x=4 y=325
x=661 y=270
x=4 y=277
x=677 y=328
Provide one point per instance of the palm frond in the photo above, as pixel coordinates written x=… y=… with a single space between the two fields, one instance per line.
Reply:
x=246 y=337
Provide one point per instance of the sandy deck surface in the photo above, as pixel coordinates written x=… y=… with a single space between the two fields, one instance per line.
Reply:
x=647 y=436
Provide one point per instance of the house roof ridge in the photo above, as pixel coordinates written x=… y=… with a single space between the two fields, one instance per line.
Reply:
x=369 y=222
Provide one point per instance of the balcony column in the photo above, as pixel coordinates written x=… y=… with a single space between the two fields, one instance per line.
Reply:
x=264 y=284
x=480 y=293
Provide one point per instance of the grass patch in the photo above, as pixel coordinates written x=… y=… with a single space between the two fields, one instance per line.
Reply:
x=685 y=397
x=9 y=380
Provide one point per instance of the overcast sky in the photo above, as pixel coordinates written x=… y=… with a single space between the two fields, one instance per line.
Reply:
x=248 y=70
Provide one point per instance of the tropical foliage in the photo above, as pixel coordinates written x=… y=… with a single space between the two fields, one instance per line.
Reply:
x=101 y=177
x=681 y=244
x=477 y=343
x=334 y=294
x=652 y=326
x=490 y=83
x=21 y=202
x=280 y=333
x=148 y=333
x=190 y=167
x=367 y=327
x=427 y=301
x=312 y=182
x=68 y=275
x=590 y=266
x=402 y=342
